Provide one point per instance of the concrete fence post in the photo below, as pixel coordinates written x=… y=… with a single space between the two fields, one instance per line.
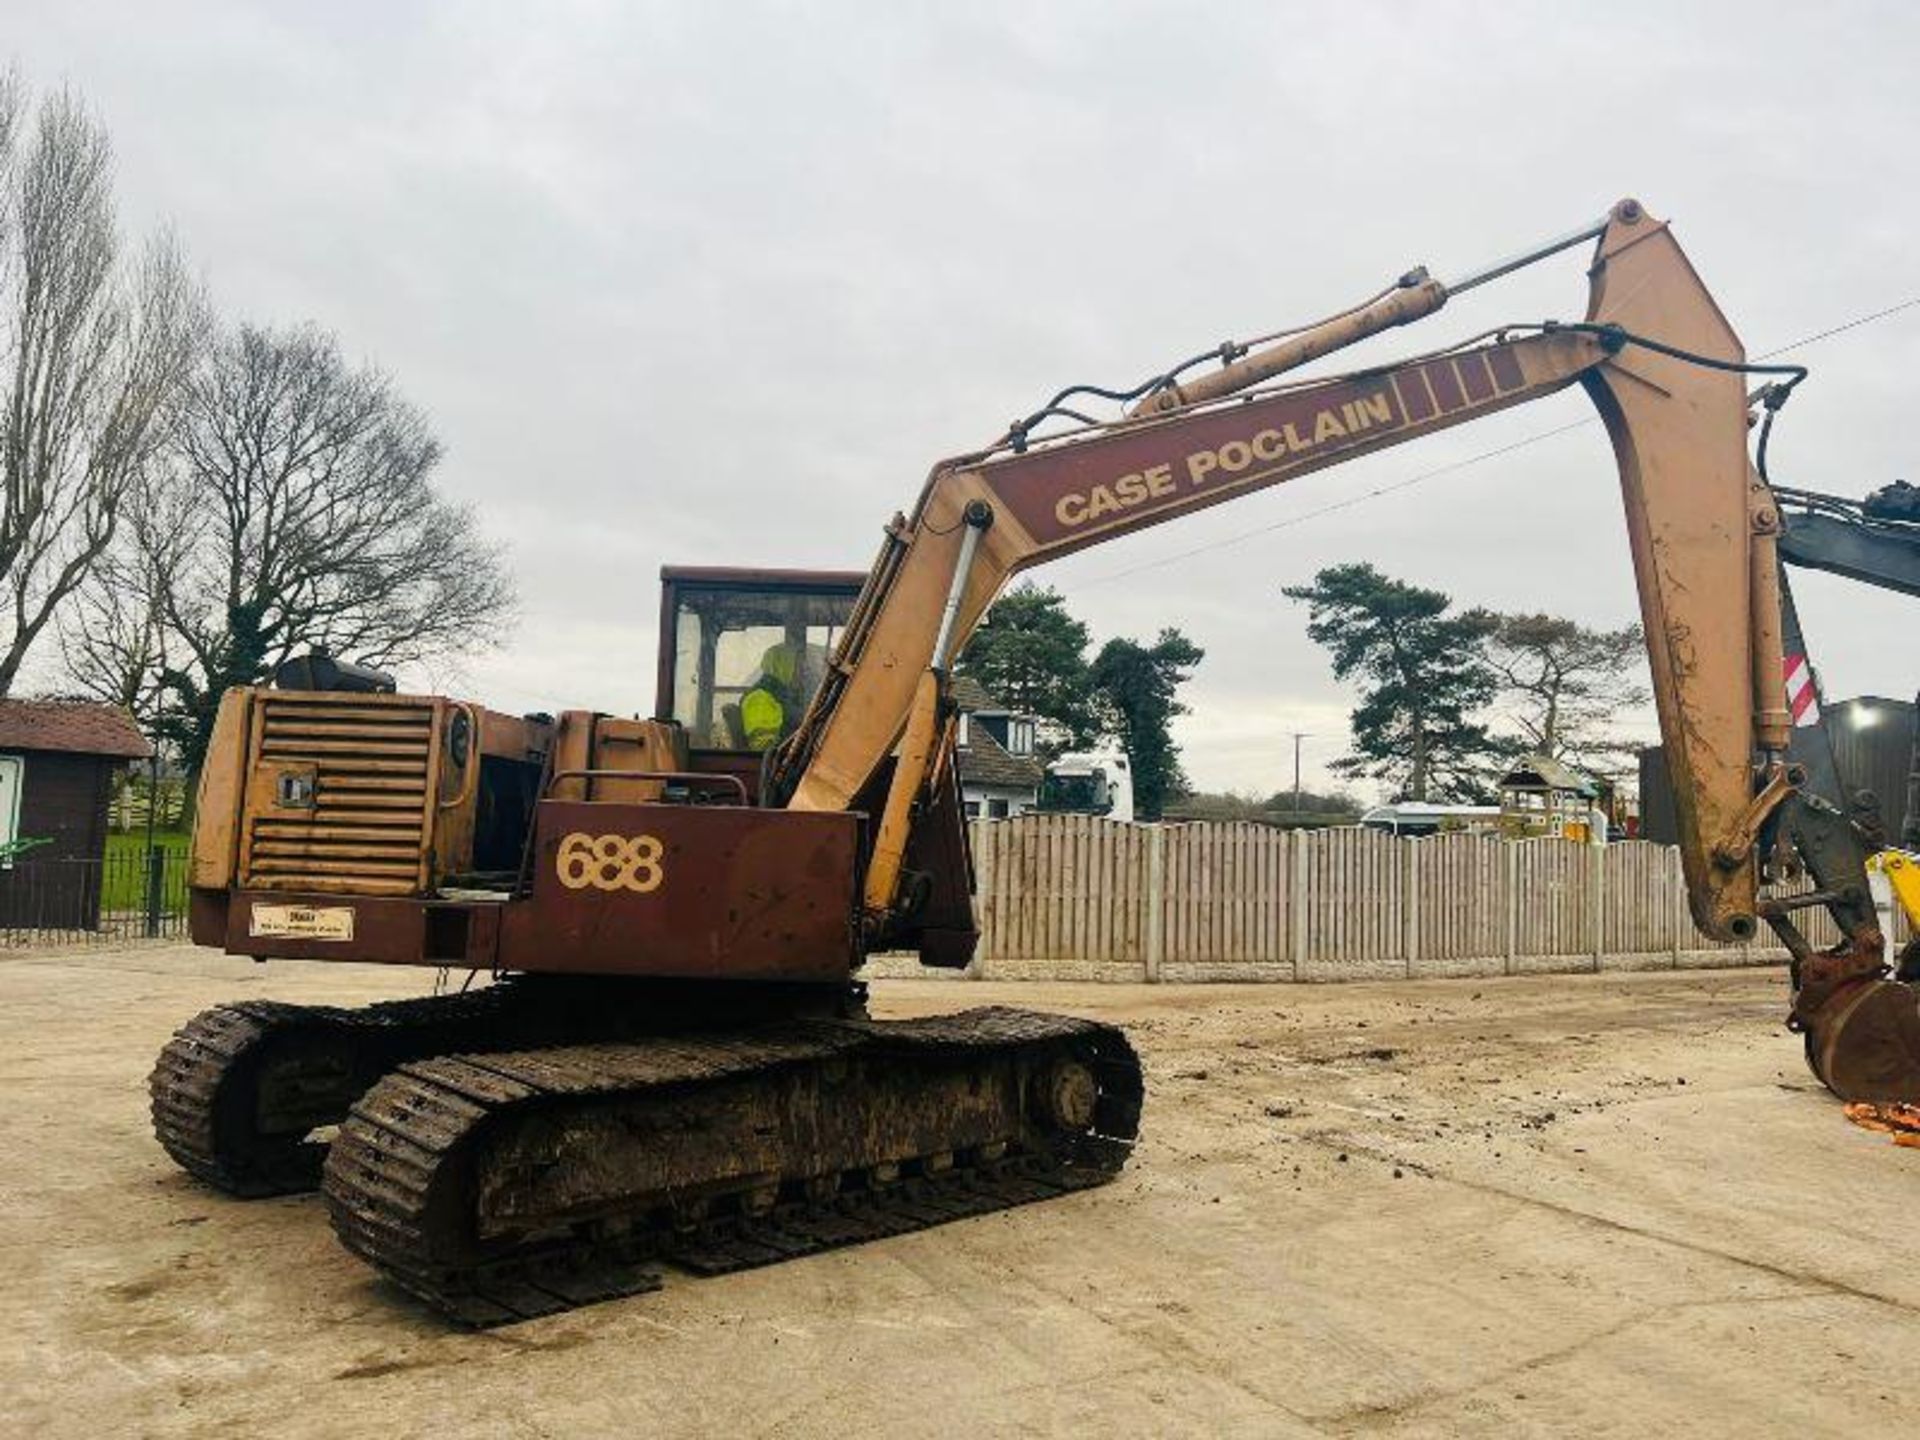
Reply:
x=1410 y=902
x=1680 y=918
x=1297 y=900
x=1156 y=936
x=1513 y=902
x=980 y=850
x=1597 y=867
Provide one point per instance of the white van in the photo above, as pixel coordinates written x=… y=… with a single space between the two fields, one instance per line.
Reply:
x=1420 y=817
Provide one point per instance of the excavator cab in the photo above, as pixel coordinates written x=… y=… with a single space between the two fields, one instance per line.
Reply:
x=721 y=628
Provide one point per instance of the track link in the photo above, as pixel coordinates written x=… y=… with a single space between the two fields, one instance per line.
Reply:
x=500 y=1187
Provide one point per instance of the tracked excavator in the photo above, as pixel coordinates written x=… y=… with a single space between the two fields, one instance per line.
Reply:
x=674 y=1064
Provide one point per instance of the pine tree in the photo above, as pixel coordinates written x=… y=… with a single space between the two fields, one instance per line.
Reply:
x=1423 y=674
x=1138 y=687
x=1030 y=655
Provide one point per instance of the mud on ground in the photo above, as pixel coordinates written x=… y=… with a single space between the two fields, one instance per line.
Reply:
x=1595 y=1205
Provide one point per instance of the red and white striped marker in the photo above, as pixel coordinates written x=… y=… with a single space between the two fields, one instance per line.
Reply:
x=1802 y=700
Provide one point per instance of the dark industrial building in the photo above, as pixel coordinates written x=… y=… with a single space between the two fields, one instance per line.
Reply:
x=1872 y=747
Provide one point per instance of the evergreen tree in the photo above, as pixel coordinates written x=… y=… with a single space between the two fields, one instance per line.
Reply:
x=1030 y=654
x=1566 y=684
x=1138 y=687
x=1423 y=673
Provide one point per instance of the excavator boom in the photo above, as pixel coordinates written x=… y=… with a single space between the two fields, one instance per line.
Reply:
x=1666 y=372
x=1699 y=523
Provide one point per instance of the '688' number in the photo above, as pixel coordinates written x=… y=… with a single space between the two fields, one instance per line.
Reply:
x=610 y=862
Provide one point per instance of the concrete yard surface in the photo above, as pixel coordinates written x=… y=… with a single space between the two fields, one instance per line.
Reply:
x=1596 y=1205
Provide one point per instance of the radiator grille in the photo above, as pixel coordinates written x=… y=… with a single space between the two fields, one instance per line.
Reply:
x=367 y=827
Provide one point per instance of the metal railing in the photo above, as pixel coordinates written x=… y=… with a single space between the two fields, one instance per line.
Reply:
x=131 y=894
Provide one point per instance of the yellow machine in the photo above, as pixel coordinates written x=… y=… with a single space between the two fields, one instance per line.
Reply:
x=677 y=1066
x=1902 y=871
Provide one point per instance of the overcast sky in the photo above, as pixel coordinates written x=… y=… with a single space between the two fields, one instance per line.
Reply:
x=716 y=284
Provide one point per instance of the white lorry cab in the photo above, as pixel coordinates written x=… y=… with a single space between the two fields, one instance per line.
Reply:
x=1089 y=782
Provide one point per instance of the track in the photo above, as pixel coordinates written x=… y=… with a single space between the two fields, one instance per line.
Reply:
x=240 y=1091
x=499 y=1187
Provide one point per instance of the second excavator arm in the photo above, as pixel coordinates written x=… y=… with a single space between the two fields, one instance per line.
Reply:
x=1850 y=538
x=1876 y=542
x=1667 y=374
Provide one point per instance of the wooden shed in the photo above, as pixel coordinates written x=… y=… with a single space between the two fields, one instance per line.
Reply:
x=57 y=763
x=1541 y=797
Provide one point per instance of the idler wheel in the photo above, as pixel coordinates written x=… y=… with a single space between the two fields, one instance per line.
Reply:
x=1071 y=1095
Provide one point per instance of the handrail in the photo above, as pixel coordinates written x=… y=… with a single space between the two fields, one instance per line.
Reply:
x=692 y=777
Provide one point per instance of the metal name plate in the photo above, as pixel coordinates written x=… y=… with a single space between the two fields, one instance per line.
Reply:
x=303 y=922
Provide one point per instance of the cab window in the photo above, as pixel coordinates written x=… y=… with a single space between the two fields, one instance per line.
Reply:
x=746 y=662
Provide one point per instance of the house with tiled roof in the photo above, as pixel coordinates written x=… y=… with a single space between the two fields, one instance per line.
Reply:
x=999 y=773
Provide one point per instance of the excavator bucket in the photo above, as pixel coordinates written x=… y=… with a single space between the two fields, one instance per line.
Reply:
x=1864 y=1042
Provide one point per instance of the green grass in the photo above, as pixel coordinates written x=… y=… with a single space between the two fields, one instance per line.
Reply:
x=135 y=842
x=124 y=883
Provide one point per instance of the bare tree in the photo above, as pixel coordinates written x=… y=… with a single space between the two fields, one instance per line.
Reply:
x=113 y=633
x=93 y=353
x=300 y=512
x=1567 y=684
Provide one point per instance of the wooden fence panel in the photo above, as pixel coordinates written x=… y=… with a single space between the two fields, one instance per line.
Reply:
x=1060 y=887
x=1226 y=894
x=1643 y=901
x=1556 y=887
x=1354 y=894
x=1462 y=904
